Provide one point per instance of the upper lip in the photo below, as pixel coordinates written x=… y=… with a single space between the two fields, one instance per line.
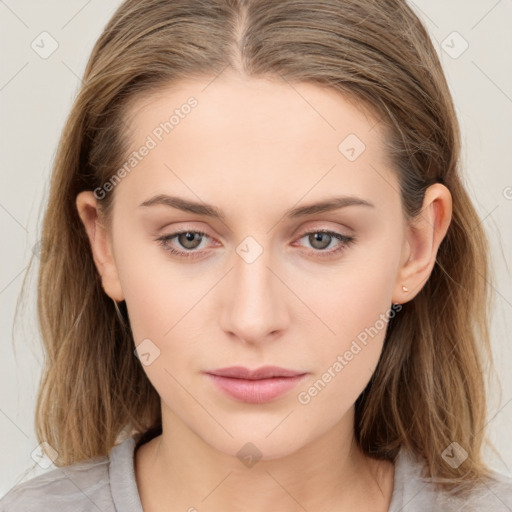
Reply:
x=264 y=372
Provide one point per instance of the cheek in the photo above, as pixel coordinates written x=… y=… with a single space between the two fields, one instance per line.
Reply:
x=354 y=304
x=159 y=292
x=344 y=363
x=162 y=307
x=351 y=296
x=168 y=304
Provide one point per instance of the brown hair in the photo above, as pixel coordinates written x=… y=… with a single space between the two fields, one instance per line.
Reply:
x=428 y=389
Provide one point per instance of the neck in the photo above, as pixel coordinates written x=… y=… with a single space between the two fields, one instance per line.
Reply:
x=329 y=472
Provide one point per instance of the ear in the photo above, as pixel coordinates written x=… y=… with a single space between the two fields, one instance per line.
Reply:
x=101 y=244
x=424 y=236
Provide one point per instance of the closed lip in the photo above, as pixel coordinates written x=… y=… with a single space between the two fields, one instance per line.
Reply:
x=264 y=372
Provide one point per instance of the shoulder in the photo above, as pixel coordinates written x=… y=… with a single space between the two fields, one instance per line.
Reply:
x=76 y=487
x=413 y=492
x=490 y=495
x=79 y=487
x=105 y=483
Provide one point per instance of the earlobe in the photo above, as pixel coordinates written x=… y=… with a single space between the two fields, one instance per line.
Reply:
x=101 y=246
x=424 y=236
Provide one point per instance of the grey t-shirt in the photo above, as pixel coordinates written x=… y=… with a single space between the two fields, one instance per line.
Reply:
x=107 y=484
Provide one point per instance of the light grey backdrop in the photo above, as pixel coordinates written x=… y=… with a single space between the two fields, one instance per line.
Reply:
x=45 y=46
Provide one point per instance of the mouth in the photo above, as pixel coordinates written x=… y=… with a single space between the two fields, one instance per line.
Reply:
x=255 y=386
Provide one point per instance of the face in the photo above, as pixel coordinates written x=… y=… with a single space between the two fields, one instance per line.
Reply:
x=264 y=280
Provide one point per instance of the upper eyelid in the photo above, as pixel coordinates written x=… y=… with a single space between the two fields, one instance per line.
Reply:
x=320 y=225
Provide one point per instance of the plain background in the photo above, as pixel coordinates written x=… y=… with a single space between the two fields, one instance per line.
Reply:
x=36 y=94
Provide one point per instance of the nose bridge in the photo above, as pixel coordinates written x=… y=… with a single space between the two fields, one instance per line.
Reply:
x=255 y=308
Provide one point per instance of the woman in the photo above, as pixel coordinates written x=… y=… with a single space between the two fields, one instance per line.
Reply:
x=262 y=285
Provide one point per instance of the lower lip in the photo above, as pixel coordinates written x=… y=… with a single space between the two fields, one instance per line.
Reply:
x=255 y=391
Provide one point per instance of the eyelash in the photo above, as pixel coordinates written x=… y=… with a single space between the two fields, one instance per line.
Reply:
x=345 y=240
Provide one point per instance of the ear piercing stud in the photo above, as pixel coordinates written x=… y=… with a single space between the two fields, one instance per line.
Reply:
x=405 y=289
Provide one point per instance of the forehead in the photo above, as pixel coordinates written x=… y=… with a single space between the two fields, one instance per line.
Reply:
x=249 y=134
x=263 y=109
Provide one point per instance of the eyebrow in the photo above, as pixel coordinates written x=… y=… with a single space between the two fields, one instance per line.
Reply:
x=326 y=205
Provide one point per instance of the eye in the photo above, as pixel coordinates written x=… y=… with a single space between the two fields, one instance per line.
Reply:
x=190 y=240
x=321 y=239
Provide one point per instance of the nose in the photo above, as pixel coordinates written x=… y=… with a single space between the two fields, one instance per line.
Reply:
x=254 y=308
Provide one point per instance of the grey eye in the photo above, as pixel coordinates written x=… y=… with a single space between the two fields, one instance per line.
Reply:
x=189 y=239
x=320 y=240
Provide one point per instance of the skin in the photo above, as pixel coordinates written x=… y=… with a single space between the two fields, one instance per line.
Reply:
x=255 y=148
